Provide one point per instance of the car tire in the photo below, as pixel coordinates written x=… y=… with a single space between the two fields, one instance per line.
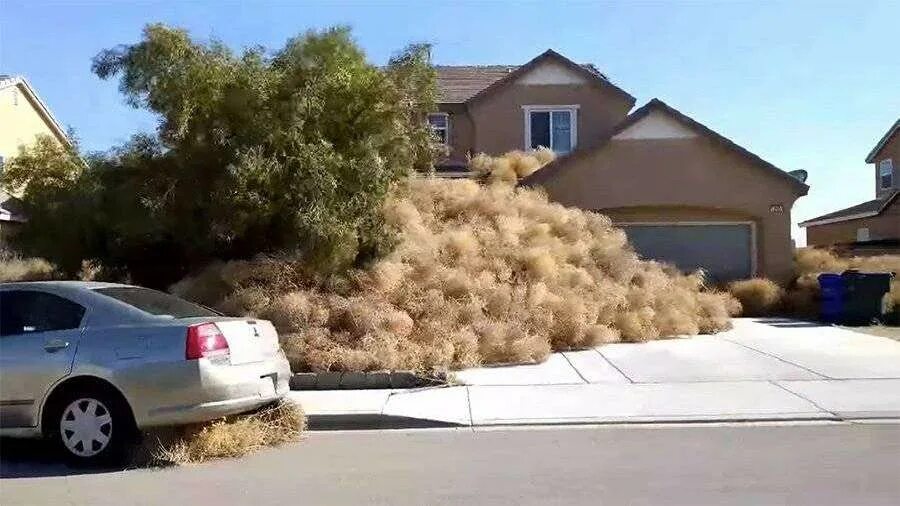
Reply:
x=91 y=427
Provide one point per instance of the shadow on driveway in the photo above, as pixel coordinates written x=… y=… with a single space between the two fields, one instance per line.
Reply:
x=789 y=323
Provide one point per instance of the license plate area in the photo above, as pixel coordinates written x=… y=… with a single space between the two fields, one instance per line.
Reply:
x=267 y=385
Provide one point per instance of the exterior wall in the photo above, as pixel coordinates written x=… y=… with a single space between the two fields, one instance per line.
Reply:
x=883 y=226
x=499 y=120
x=688 y=179
x=890 y=150
x=462 y=131
x=20 y=122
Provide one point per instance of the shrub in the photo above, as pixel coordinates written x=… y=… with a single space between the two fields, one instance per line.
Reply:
x=758 y=296
x=234 y=436
x=14 y=268
x=762 y=297
x=479 y=275
x=258 y=152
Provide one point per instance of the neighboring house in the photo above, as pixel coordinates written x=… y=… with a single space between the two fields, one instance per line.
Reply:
x=873 y=226
x=683 y=193
x=23 y=117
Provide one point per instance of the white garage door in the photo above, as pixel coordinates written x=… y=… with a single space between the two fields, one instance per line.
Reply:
x=724 y=251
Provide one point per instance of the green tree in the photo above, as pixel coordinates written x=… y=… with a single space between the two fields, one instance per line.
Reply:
x=258 y=152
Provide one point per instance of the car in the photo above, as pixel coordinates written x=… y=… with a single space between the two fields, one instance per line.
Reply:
x=91 y=365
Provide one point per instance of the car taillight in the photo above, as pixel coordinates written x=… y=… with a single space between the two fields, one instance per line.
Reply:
x=205 y=340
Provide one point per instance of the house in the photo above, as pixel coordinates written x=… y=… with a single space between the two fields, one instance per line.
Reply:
x=23 y=117
x=682 y=192
x=874 y=226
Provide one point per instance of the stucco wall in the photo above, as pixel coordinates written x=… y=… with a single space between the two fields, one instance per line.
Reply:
x=884 y=226
x=890 y=150
x=20 y=122
x=670 y=180
x=499 y=121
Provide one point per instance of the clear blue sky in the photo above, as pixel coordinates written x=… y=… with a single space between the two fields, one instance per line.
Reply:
x=809 y=85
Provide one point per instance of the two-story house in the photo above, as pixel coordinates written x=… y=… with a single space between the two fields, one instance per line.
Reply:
x=873 y=226
x=683 y=193
x=23 y=117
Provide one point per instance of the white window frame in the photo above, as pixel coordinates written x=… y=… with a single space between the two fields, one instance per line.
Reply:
x=573 y=131
x=863 y=235
x=446 y=128
x=886 y=168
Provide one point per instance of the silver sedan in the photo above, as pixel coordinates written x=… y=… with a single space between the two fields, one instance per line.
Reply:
x=90 y=364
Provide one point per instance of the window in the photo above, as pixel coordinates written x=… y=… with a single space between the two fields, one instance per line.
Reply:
x=15 y=97
x=886 y=173
x=440 y=126
x=23 y=311
x=862 y=234
x=156 y=303
x=552 y=127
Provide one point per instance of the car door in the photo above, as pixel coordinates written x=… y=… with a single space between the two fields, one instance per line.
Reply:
x=39 y=333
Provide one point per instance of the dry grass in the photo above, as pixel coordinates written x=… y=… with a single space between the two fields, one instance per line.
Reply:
x=481 y=274
x=235 y=436
x=801 y=298
x=13 y=268
x=758 y=296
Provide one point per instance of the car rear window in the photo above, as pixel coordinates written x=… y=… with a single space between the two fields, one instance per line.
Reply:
x=156 y=303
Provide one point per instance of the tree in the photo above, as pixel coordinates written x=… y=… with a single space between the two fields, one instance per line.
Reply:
x=291 y=151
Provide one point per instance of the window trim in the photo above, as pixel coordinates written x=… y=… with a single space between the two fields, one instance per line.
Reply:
x=446 y=128
x=573 y=131
x=863 y=234
x=82 y=324
x=885 y=170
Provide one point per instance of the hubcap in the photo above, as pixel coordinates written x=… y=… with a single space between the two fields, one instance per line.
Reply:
x=86 y=427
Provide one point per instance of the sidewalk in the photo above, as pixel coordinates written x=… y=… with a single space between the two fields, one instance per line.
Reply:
x=760 y=370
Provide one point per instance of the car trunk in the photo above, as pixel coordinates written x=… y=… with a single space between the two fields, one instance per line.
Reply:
x=249 y=340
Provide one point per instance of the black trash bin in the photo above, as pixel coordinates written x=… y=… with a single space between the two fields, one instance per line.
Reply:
x=864 y=296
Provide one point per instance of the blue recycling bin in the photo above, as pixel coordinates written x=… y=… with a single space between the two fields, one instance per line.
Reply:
x=833 y=291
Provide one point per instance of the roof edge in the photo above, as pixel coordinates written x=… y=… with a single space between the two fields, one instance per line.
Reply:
x=812 y=222
x=546 y=55
x=870 y=158
x=554 y=167
x=42 y=107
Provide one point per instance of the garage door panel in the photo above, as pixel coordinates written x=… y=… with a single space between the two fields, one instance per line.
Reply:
x=724 y=251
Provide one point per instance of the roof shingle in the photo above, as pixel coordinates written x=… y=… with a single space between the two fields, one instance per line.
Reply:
x=458 y=83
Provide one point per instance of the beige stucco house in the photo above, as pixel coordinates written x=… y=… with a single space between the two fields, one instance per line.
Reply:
x=23 y=117
x=682 y=192
x=872 y=226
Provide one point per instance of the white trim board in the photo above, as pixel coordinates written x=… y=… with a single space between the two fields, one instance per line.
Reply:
x=573 y=131
x=656 y=125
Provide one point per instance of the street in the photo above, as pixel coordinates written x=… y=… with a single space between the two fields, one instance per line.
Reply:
x=799 y=463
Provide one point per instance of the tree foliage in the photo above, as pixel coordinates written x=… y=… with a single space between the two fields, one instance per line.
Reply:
x=258 y=152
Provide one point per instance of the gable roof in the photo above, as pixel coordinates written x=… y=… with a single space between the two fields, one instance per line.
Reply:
x=42 y=109
x=870 y=158
x=558 y=165
x=865 y=210
x=460 y=84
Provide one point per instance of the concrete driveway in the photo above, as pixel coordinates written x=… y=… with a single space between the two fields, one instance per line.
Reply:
x=773 y=369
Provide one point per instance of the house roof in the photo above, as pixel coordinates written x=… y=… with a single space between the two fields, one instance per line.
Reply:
x=43 y=110
x=865 y=210
x=460 y=84
x=558 y=165
x=870 y=158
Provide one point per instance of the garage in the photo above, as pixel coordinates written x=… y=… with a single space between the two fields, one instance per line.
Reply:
x=724 y=250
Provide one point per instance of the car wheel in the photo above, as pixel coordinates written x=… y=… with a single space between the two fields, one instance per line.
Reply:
x=92 y=428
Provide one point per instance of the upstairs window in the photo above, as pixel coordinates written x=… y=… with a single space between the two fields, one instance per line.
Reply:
x=552 y=127
x=886 y=173
x=440 y=126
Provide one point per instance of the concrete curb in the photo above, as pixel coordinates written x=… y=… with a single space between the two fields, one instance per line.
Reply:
x=373 y=421
x=364 y=380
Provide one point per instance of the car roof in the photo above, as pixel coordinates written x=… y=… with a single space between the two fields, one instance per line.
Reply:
x=72 y=285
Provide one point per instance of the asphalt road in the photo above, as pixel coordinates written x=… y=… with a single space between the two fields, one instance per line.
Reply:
x=740 y=464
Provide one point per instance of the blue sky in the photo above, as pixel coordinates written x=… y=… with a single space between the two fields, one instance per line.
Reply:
x=809 y=85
